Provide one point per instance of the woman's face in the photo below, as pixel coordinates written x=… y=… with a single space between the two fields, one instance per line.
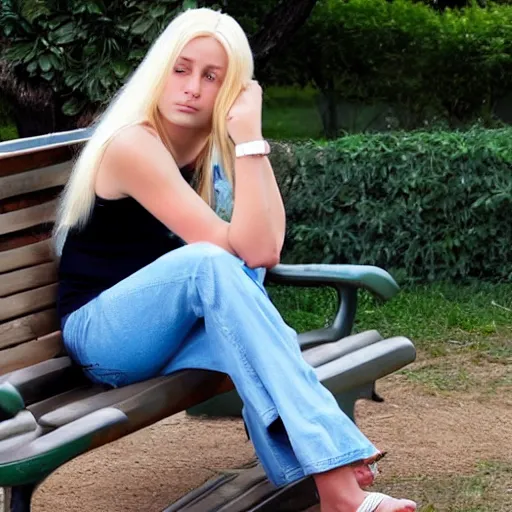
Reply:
x=193 y=83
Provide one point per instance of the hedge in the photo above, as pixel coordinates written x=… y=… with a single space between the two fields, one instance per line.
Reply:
x=431 y=205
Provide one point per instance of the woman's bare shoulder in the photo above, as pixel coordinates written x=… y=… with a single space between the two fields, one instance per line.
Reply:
x=131 y=141
x=134 y=152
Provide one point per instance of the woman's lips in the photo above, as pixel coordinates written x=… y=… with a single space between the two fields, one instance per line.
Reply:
x=186 y=108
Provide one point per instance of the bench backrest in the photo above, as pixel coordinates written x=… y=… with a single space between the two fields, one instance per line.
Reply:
x=30 y=182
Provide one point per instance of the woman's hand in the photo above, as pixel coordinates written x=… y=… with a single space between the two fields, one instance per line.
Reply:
x=244 y=117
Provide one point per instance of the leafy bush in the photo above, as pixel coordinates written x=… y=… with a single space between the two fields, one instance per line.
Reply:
x=434 y=204
x=8 y=132
x=84 y=50
x=451 y=65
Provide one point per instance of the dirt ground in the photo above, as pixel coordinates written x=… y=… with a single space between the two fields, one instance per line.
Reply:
x=427 y=434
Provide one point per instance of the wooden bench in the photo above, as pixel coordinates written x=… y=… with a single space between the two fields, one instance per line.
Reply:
x=50 y=413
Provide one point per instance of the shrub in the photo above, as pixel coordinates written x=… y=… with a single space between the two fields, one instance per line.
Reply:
x=434 y=204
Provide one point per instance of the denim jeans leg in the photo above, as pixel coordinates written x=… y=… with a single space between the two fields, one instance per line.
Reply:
x=198 y=307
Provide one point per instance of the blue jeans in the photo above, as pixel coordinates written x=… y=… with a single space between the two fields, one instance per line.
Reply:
x=201 y=307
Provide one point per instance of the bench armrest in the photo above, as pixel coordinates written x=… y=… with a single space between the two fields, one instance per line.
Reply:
x=345 y=279
x=374 y=279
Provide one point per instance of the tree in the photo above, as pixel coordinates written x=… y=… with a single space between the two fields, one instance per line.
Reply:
x=64 y=59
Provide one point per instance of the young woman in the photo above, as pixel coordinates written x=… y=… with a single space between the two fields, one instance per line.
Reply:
x=162 y=270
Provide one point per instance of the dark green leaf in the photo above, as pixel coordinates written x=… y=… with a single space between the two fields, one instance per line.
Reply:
x=20 y=51
x=121 y=68
x=48 y=76
x=72 y=107
x=95 y=7
x=65 y=34
x=45 y=63
x=157 y=11
x=32 y=66
x=141 y=25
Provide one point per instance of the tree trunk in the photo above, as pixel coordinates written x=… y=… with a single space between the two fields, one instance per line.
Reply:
x=32 y=121
x=328 y=107
x=327 y=100
x=278 y=27
x=33 y=106
x=39 y=118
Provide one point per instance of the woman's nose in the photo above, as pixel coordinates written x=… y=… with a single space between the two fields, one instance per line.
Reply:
x=193 y=86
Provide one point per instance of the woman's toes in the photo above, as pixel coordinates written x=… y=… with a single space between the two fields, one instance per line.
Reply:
x=395 y=505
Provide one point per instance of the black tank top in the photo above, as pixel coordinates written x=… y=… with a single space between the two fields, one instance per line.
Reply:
x=119 y=239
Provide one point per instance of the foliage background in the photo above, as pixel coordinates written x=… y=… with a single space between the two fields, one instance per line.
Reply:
x=382 y=65
x=374 y=65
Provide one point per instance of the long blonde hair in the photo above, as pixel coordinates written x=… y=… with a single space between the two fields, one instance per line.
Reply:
x=137 y=102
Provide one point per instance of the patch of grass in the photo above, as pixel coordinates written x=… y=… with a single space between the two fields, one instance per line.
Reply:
x=281 y=96
x=443 y=318
x=8 y=132
x=304 y=309
x=291 y=113
x=442 y=377
x=457 y=374
x=440 y=318
x=292 y=122
x=487 y=490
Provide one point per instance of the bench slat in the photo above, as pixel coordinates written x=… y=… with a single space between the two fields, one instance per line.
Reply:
x=30 y=353
x=26 y=256
x=27 y=302
x=14 y=164
x=28 y=217
x=40 y=179
x=28 y=328
x=28 y=279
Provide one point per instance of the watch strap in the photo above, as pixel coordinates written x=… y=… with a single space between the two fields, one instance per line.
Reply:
x=253 y=148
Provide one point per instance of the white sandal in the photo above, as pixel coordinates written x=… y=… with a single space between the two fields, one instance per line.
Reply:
x=372 y=501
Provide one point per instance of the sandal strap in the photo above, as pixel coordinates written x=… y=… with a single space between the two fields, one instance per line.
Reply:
x=371 y=502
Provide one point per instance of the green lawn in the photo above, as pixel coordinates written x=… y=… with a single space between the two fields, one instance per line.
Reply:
x=291 y=123
x=486 y=490
x=440 y=318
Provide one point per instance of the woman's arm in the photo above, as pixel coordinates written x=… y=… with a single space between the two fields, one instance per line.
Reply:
x=137 y=164
x=258 y=223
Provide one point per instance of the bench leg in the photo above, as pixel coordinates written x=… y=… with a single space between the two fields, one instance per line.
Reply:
x=20 y=498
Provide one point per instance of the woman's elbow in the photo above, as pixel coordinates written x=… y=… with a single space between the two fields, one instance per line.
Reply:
x=267 y=258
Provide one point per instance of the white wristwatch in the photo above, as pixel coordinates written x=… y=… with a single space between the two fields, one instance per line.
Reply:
x=253 y=148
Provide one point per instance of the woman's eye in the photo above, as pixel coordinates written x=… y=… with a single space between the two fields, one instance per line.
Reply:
x=211 y=77
x=179 y=70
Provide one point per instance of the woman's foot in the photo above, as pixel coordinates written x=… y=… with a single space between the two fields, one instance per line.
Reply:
x=339 y=491
x=389 y=504
x=364 y=474
x=366 y=470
